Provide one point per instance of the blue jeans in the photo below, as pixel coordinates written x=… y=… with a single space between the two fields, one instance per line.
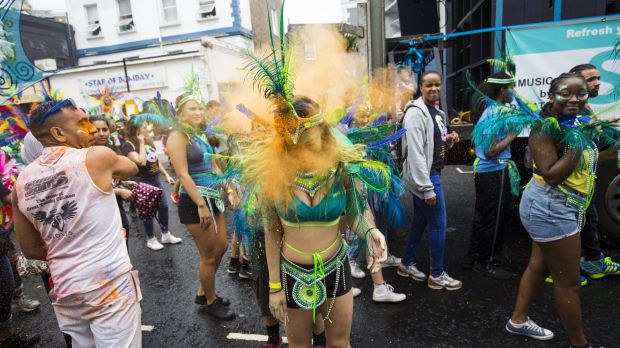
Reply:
x=162 y=210
x=435 y=218
x=7 y=287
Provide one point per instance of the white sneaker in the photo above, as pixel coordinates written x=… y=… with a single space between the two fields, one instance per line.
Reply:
x=356 y=270
x=356 y=292
x=154 y=244
x=444 y=281
x=26 y=304
x=385 y=293
x=169 y=238
x=411 y=271
x=392 y=261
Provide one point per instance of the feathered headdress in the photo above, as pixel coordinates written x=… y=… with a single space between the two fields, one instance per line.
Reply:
x=106 y=97
x=273 y=78
x=14 y=126
x=503 y=64
x=51 y=94
x=192 y=88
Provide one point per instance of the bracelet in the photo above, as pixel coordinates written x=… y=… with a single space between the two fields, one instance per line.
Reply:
x=275 y=291
x=275 y=286
x=368 y=231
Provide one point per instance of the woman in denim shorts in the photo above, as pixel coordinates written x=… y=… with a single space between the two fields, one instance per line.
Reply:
x=553 y=225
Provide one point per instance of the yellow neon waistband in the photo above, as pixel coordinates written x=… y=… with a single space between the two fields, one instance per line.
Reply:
x=310 y=223
x=318 y=253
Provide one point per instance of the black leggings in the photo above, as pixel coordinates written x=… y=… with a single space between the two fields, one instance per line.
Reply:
x=492 y=202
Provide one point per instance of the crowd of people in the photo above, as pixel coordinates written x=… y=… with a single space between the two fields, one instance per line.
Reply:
x=303 y=198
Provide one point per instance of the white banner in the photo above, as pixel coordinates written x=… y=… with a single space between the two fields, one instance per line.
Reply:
x=138 y=79
x=543 y=53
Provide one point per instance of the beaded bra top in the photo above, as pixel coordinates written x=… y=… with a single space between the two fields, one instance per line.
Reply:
x=327 y=210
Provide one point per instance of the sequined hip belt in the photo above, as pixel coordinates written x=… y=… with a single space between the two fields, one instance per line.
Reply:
x=309 y=290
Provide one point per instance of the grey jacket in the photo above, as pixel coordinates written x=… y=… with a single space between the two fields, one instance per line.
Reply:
x=418 y=145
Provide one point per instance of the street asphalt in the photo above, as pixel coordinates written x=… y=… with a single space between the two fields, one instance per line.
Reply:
x=471 y=317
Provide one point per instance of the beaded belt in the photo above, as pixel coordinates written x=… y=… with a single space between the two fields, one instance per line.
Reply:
x=309 y=290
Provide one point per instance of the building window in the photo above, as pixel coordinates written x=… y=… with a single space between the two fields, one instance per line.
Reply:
x=275 y=22
x=92 y=16
x=169 y=8
x=309 y=52
x=206 y=9
x=125 y=16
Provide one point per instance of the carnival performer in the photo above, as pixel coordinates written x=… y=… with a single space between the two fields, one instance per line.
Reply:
x=554 y=203
x=103 y=138
x=361 y=116
x=139 y=148
x=305 y=176
x=426 y=142
x=200 y=204
x=495 y=176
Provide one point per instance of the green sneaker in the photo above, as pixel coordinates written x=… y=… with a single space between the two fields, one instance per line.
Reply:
x=583 y=280
x=600 y=268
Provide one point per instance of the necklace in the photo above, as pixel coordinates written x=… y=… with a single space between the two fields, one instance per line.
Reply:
x=310 y=182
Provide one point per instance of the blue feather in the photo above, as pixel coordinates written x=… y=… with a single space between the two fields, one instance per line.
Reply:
x=247 y=112
x=386 y=141
x=156 y=119
x=158 y=97
x=380 y=119
x=352 y=111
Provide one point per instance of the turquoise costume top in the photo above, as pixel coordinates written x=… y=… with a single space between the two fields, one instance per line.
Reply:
x=326 y=213
x=496 y=163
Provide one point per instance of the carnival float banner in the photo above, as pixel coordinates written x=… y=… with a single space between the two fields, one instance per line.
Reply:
x=542 y=53
x=16 y=71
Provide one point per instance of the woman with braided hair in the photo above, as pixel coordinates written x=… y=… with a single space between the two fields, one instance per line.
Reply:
x=553 y=206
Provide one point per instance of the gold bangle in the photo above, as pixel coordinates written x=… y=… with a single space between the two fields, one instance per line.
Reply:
x=275 y=286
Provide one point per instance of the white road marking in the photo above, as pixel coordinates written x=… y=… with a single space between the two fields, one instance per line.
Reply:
x=147 y=328
x=250 y=337
x=464 y=171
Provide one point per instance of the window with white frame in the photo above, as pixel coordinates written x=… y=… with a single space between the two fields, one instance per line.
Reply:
x=206 y=9
x=275 y=22
x=125 y=16
x=169 y=8
x=310 y=52
x=92 y=16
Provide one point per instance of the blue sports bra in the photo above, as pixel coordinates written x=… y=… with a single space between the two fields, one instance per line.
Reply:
x=326 y=213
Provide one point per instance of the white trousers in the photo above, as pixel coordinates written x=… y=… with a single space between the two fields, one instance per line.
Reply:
x=106 y=317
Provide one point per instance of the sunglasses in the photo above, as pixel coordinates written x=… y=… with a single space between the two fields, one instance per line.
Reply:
x=63 y=103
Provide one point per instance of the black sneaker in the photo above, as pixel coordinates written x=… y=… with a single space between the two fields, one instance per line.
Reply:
x=202 y=300
x=244 y=270
x=219 y=310
x=19 y=340
x=234 y=265
x=492 y=271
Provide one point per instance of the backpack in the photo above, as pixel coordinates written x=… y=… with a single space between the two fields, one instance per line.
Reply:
x=400 y=157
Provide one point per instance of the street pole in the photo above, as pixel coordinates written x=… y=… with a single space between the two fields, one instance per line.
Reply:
x=376 y=33
x=126 y=75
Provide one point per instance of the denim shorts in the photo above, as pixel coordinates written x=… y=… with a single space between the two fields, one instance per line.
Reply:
x=545 y=215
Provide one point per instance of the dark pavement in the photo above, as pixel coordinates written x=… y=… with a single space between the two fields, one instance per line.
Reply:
x=471 y=317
